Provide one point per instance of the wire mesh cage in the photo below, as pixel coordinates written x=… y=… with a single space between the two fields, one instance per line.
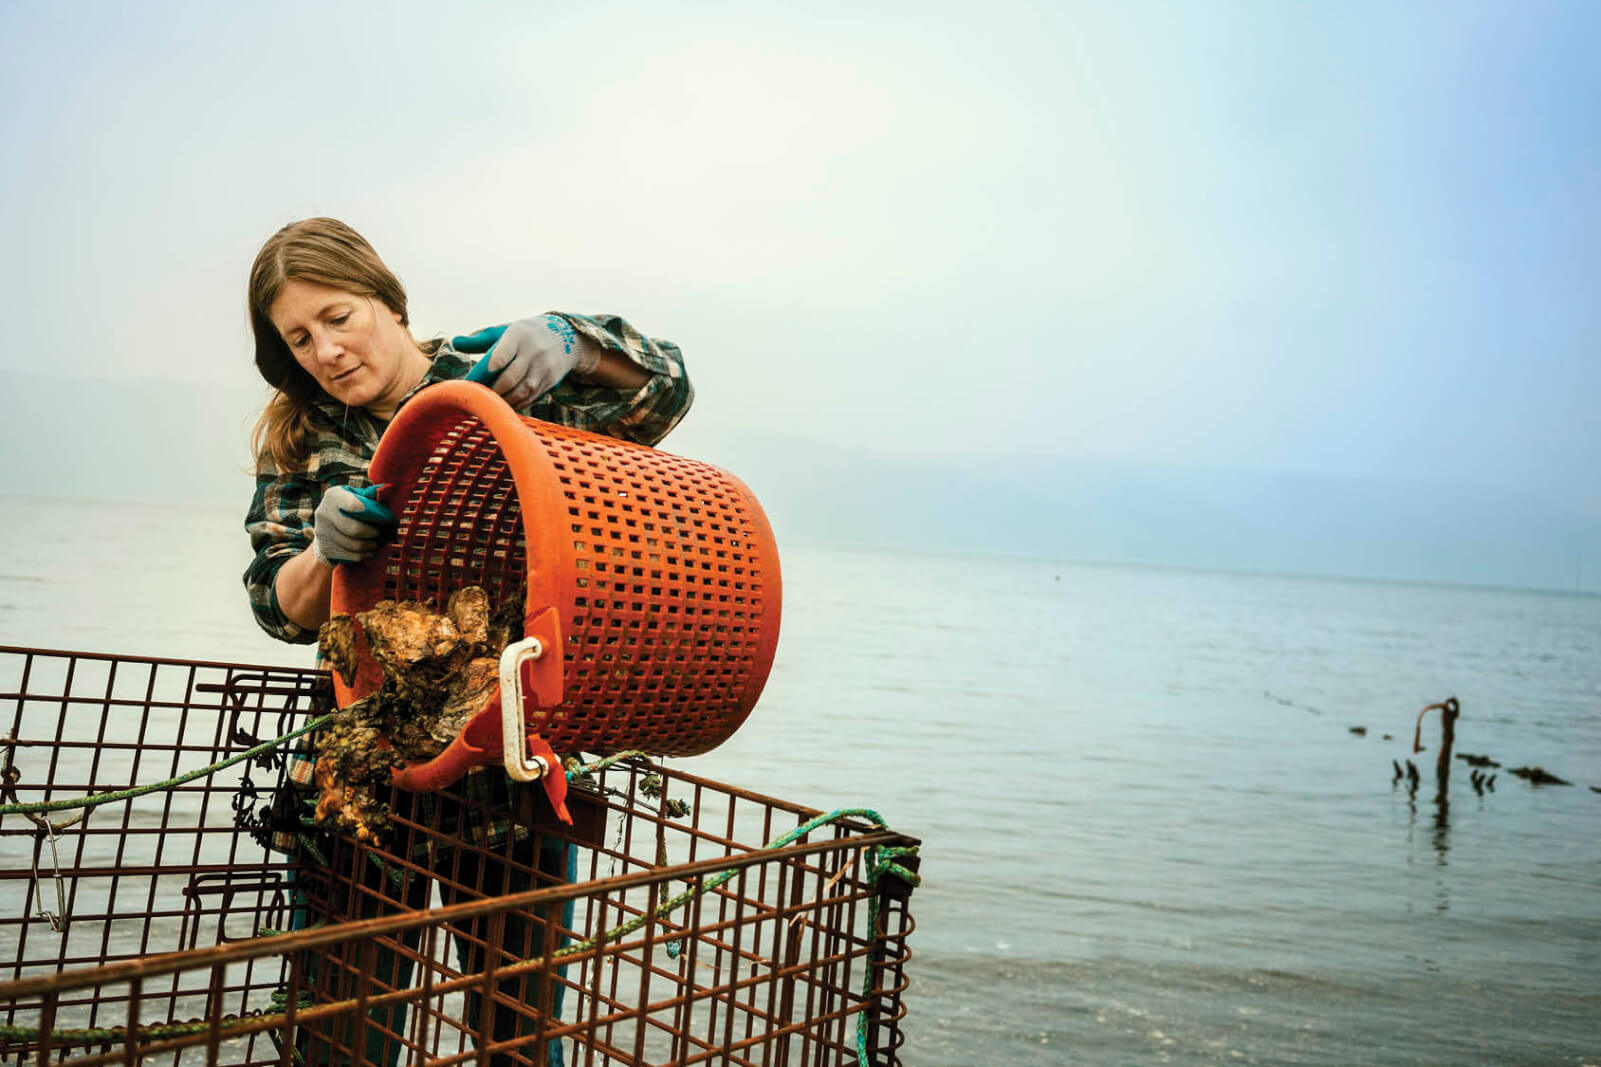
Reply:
x=677 y=921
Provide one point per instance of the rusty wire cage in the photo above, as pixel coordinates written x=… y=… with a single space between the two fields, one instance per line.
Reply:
x=673 y=923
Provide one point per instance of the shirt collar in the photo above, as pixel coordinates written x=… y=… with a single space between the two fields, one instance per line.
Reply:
x=441 y=368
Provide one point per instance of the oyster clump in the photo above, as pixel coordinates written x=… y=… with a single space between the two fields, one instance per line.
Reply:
x=439 y=670
x=350 y=763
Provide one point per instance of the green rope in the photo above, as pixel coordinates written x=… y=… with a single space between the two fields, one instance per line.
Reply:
x=106 y=1036
x=396 y=875
x=573 y=769
x=576 y=770
x=306 y=842
x=171 y=783
x=722 y=878
x=880 y=861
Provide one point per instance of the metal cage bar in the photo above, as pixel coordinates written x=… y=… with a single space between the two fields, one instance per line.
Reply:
x=479 y=931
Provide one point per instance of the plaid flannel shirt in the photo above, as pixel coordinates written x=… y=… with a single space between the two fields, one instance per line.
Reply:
x=342 y=445
x=344 y=439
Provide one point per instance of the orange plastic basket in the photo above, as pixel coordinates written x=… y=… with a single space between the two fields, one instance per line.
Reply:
x=652 y=580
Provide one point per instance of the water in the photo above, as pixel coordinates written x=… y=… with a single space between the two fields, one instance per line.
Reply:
x=1149 y=834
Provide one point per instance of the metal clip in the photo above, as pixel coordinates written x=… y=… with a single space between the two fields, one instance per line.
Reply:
x=58 y=919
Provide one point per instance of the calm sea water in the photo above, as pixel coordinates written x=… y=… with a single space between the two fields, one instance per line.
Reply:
x=1150 y=835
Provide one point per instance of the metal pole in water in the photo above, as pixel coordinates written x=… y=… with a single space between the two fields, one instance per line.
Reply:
x=1448 y=709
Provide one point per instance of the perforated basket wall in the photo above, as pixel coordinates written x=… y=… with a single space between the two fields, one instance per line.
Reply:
x=662 y=570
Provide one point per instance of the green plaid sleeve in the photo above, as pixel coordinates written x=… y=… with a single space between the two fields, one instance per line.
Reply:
x=644 y=415
x=279 y=523
x=283 y=510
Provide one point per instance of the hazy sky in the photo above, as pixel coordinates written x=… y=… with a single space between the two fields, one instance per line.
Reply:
x=1346 y=239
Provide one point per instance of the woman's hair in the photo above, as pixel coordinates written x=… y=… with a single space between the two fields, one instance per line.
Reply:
x=325 y=252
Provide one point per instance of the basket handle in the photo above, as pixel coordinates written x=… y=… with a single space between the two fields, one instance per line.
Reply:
x=531 y=671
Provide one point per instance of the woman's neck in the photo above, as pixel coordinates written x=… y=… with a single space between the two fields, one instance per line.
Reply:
x=413 y=369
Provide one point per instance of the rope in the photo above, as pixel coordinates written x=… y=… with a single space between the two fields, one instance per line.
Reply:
x=880 y=861
x=104 y=1036
x=171 y=783
x=576 y=770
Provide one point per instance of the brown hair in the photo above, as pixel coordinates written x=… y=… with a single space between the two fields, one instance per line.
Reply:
x=326 y=252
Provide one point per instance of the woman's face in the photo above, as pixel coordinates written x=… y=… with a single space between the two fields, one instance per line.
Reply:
x=353 y=346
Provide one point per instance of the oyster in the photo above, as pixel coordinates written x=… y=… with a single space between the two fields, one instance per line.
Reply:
x=506 y=621
x=469 y=610
x=470 y=692
x=416 y=647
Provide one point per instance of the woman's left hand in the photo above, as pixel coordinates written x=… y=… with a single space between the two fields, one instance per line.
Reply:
x=533 y=355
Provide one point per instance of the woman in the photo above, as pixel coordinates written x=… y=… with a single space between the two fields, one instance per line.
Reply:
x=331 y=336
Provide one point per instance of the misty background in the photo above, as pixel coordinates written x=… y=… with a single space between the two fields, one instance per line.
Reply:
x=1252 y=286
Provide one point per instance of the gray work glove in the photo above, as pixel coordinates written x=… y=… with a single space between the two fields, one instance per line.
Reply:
x=529 y=357
x=350 y=524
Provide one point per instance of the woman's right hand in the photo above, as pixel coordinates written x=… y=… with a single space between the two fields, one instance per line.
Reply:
x=349 y=526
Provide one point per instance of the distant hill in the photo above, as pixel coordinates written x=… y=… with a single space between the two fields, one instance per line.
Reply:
x=1212 y=519
x=153 y=439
